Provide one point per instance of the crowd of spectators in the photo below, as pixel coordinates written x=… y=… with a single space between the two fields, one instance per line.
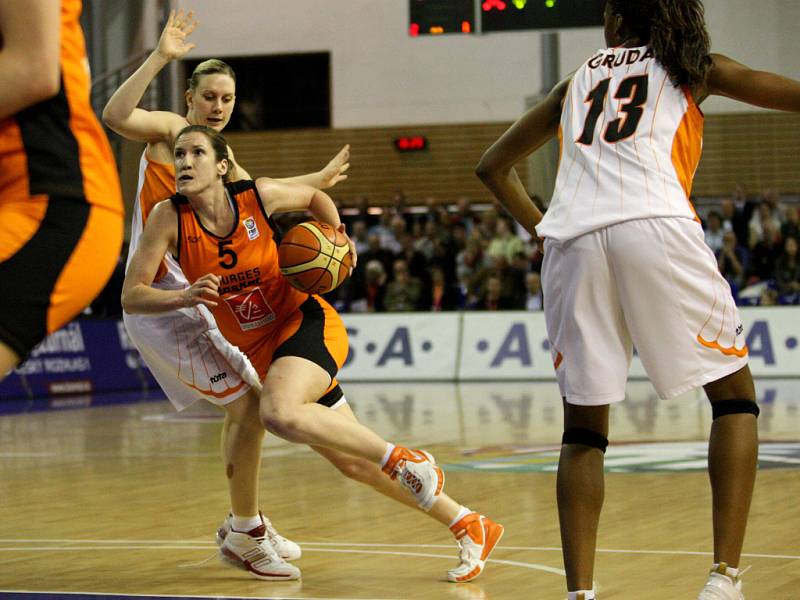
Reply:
x=755 y=241
x=439 y=257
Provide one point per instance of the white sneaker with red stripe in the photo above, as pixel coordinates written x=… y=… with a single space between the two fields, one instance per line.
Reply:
x=418 y=473
x=286 y=549
x=477 y=536
x=253 y=552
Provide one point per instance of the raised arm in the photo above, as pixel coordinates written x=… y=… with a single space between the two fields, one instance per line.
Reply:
x=759 y=88
x=122 y=114
x=160 y=236
x=330 y=175
x=29 y=56
x=496 y=167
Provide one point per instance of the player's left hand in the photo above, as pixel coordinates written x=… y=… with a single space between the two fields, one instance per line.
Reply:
x=353 y=254
x=335 y=170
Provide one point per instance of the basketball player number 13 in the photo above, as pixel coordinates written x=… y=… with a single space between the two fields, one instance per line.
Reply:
x=633 y=89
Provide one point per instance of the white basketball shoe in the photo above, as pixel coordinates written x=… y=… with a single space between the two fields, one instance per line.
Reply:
x=286 y=549
x=252 y=551
x=721 y=585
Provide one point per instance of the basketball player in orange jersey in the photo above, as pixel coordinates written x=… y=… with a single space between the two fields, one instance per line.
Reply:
x=222 y=232
x=184 y=349
x=625 y=263
x=60 y=201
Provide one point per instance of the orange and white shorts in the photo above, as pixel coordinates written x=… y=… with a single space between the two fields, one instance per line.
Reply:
x=652 y=284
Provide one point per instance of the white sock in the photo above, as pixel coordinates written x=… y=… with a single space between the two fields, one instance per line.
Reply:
x=462 y=512
x=587 y=595
x=245 y=524
x=387 y=454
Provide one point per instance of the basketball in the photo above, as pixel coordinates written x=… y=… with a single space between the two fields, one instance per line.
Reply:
x=314 y=257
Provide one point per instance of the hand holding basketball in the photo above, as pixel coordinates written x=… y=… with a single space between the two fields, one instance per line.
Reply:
x=315 y=257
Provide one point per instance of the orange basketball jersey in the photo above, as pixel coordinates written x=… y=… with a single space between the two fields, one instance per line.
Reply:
x=41 y=154
x=255 y=299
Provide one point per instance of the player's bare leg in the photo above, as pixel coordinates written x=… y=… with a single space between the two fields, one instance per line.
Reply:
x=242 y=438
x=732 y=462
x=8 y=360
x=475 y=534
x=580 y=491
x=369 y=473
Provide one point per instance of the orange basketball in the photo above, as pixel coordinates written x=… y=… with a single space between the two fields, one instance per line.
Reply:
x=314 y=257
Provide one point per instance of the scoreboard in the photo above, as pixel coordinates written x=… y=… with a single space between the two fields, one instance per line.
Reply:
x=434 y=17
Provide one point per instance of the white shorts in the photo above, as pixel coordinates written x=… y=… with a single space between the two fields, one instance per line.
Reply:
x=189 y=357
x=649 y=283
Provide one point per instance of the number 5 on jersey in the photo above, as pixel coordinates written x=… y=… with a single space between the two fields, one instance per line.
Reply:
x=633 y=89
x=228 y=256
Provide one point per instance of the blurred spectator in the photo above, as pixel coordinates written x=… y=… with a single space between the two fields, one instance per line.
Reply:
x=732 y=261
x=787 y=269
x=464 y=215
x=376 y=252
x=733 y=220
x=764 y=254
x=764 y=216
x=533 y=284
x=768 y=297
x=370 y=298
x=491 y=296
x=443 y=292
x=713 y=232
x=791 y=223
x=487 y=226
x=358 y=233
x=505 y=242
x=403 y=293
x=363 y=204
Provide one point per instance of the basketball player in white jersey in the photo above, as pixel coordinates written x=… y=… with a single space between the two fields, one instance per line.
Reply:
x=184 y=349
x=625 y=263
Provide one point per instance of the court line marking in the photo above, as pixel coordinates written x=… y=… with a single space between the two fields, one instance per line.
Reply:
x=313 y=546
x=216 y=597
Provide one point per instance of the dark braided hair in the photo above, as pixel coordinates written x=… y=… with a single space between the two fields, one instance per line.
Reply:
x=675 y=30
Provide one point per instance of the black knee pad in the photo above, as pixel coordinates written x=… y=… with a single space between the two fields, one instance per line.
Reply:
x=585 y=437
x=734 y=407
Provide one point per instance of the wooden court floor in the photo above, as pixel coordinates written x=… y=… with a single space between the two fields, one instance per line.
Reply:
x=114 y=500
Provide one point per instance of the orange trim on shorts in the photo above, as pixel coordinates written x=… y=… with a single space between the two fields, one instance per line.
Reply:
x=211 y=392
x=559 y=359
x=730 y=351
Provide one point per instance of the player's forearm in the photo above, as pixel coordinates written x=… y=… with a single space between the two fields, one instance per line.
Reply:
x=509 y=191
x=310 y=179
x=144 y=299
x=323 y=209
x=127 y=97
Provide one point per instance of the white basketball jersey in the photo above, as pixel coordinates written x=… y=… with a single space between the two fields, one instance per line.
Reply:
x=630 y=143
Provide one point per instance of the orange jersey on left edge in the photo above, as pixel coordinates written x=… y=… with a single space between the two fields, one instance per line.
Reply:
x=255 y=299
x=41 y=153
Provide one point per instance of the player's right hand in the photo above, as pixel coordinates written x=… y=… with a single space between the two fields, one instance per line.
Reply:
x=173 y=45
x=203 y=291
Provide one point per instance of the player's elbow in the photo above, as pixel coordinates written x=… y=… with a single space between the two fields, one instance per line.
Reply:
x=42 y=84
x=486 y=169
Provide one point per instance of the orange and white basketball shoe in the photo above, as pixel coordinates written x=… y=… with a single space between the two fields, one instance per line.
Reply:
x=286 y=548
x=418 y=473
x=477 y=536
x=253 y=552
x=721 y=585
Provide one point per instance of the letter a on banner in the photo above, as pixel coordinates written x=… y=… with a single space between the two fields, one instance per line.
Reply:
x=399 y=347
x=515 y=345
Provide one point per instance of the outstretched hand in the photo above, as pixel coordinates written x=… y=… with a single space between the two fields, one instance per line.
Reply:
x=203 y=291
x=173 y=45
x=334 y=171
x=353 y=253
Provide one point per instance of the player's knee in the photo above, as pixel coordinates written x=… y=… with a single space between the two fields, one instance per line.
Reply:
x=585 y=437
x=721 y=408
x=279 y=420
